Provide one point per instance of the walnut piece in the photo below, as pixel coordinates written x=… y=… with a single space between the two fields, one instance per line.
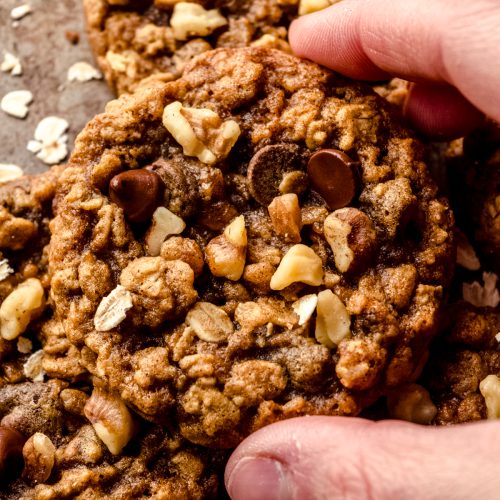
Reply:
x=286 y=217
x=490 y=389
x=305 y=307
x=20 y=307
x=209 y=322
x=226 y=254
x=165 y=223
x=113 y=309
x=110 y=418
x=351 y=236
x=300 y=263
x=412 y=403
x=482 y=296
x=191 y=19
x=333 y=321
x=201 y=132
x=309 y=6
x=39 y=455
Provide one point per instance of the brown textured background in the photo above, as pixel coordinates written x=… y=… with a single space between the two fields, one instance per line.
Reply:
x=39 y=41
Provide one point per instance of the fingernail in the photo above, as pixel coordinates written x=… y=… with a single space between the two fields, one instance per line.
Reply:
x=258 y=479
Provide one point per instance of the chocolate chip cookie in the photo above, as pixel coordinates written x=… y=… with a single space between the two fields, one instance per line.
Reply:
x=134 y=40
x=257 y=240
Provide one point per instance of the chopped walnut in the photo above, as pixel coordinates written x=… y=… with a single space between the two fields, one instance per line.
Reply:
x=165 y=223
x=285 y=215
x=226 y=254
x=300 y=263
x=305 y=307
x=309 y=6
x=201 y=132
x=191 y=19
x=19 y=307
x=110 y=418
x=412 y=403
x=39 y=456
x=333 y=321
x=490 y=389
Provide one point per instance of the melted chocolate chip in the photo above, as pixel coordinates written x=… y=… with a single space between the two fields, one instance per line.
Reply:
x=334 y=176
x=137 y=192
x=11 y=454
x=268 y=167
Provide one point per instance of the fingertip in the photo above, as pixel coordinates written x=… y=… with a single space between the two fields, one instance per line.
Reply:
x=440 y=112
x=331 y=38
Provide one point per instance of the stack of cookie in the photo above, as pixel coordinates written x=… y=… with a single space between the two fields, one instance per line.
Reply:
x=241 y=237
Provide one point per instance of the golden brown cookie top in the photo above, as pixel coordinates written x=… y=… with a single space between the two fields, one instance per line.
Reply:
x=257 y=289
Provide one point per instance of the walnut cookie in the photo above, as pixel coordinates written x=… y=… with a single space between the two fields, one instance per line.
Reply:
x=49 y=449
x=153 y=40
x=255 y=241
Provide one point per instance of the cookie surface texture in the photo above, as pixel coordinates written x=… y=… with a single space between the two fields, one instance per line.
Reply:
x=245 y=299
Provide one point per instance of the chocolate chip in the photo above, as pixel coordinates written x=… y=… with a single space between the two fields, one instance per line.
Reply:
x=137 y=192
x=334 y=176
x=11 y=454
x=268 y=167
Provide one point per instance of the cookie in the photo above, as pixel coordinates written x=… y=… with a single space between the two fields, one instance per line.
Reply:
x=474 y=175
x=25 y=211
x=133 y=40
x=50 y=450
x=293 y=263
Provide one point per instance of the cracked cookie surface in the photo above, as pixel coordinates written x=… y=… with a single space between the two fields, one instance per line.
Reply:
x=242 y=295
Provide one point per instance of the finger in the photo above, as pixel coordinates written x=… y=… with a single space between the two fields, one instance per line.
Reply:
x=335 y=457
x=452 y=41
x=440 y=112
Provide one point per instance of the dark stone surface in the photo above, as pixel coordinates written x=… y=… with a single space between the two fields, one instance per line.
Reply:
x=39 y=40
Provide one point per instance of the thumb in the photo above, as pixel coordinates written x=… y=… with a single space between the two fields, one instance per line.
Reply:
x=338 y=457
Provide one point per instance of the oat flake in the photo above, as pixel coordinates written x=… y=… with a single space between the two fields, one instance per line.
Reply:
x=482 y=296
x=33 y=367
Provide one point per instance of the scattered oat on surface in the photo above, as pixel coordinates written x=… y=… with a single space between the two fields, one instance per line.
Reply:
x=11 y=64
x=51 y=141
x=83 y=72
x=15 y=103
x=20 y=11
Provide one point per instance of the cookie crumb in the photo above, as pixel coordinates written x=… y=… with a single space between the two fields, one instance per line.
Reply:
x=73 y=37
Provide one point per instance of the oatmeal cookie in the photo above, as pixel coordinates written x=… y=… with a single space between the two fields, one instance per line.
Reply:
x=25 y=211
x=474 y=174
x=154 y=39
x=59 y=441
x=257 y=240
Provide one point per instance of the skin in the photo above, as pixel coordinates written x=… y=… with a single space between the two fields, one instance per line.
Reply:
x=449 y=48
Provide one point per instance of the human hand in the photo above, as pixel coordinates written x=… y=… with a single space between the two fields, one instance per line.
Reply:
x=344 y=457
x=449 y=47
